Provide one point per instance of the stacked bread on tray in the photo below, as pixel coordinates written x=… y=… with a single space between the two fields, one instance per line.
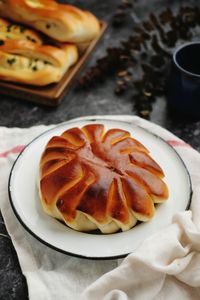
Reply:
x=39 y=39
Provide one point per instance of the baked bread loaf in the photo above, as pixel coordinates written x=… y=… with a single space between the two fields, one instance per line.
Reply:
x=24 y=58
x=92 y=179
x=64 y=23
x=18 y=32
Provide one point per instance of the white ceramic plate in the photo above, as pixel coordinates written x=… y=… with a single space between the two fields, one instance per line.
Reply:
x=27 y=207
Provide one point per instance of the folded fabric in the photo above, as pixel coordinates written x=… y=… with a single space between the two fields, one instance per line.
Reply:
x=165 y=266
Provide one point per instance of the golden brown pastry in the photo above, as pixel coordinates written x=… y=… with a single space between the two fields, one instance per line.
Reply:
x=25 y=59
x=18 y=32
x=64 y=23
x=92 y=179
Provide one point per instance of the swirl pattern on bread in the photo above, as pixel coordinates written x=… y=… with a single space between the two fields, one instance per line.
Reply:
x=96 y=179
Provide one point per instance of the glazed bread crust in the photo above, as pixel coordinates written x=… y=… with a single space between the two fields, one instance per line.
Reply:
x=96 y=179
x=18 y=32
x=24 y=57
x=64 y=23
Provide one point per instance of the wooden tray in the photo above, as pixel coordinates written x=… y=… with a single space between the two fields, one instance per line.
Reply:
x=52 y=94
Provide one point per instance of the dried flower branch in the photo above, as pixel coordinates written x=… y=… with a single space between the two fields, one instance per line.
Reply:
x=148 y=50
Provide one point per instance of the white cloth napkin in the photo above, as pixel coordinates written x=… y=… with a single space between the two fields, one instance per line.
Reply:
x=165 y=266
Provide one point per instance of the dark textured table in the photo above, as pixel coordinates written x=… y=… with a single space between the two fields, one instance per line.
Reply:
x=97 y=100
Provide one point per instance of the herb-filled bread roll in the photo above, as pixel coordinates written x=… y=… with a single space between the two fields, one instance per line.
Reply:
x=64 y=23
x=24 y=57
x=18 y=32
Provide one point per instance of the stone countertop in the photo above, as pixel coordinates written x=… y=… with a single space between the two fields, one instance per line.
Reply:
x=100 y=100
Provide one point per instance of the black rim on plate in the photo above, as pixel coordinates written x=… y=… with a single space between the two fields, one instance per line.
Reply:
x=61 y=125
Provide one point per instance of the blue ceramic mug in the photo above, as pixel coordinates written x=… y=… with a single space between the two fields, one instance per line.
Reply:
x=184 y=80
